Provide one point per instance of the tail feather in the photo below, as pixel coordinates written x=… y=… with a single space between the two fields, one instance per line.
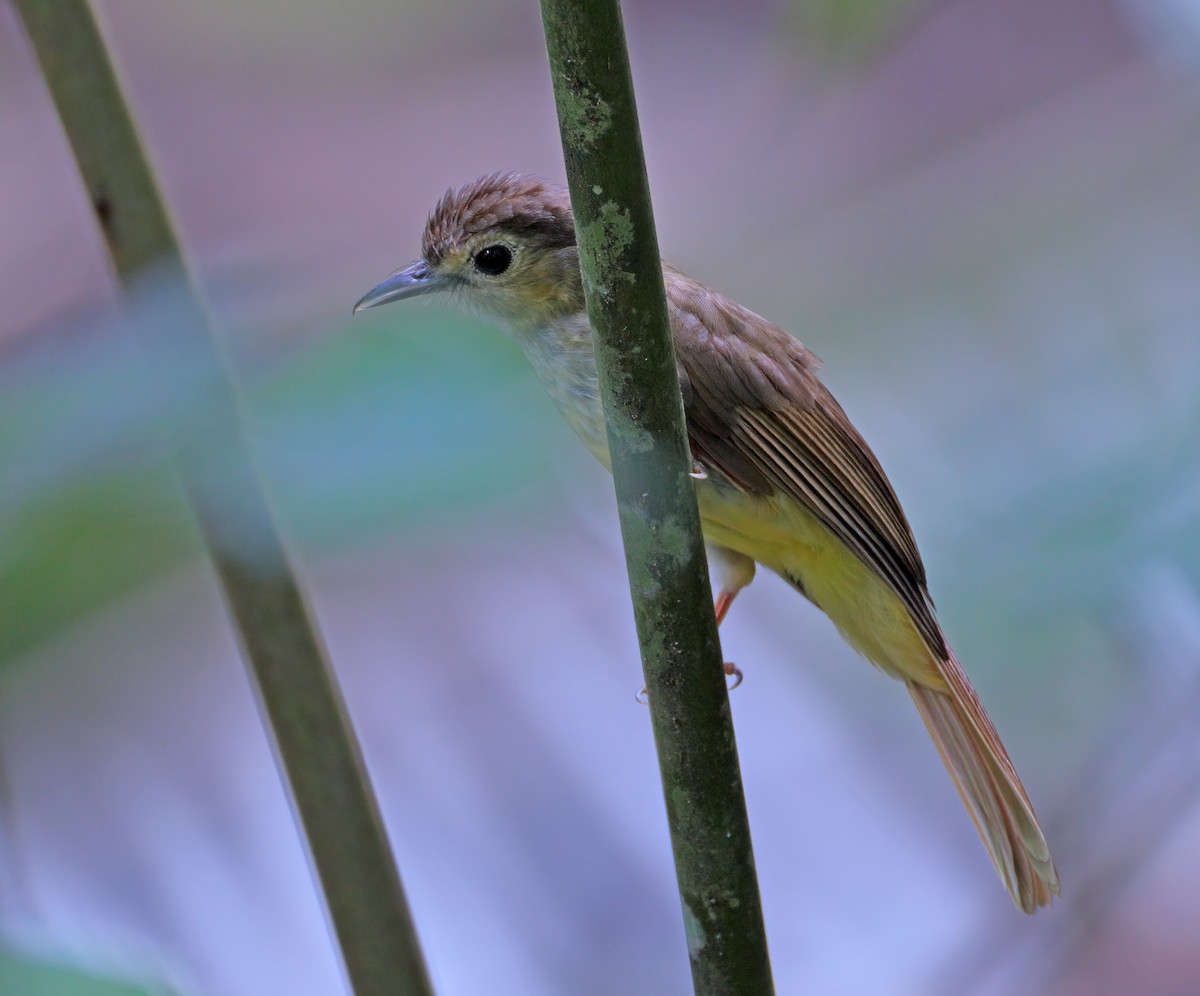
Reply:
x=989 y=787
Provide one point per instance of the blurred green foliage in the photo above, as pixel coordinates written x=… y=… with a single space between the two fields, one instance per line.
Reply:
x=21 y=976
x=382 y=425
x=851 y=33
x=75 y=548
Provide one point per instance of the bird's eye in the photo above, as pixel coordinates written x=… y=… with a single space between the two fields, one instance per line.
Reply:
x=493 y=260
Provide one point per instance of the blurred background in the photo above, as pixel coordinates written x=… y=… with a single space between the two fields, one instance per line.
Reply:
x=983 y=215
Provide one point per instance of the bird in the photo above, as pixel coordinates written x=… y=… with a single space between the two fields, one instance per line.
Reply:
x=782 y=477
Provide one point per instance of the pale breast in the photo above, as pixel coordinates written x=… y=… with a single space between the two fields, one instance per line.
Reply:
x=564 y=360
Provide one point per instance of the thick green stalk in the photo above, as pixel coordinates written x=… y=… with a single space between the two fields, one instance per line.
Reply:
x=297 y=692
x=660 y=524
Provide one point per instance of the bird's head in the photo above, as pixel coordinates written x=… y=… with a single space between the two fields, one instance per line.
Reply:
x=505 y=245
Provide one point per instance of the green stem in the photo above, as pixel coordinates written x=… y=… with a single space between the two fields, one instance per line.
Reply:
x=297 y=691
x=660 y=524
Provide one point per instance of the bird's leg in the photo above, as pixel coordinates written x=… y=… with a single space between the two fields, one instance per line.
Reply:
x=733 y=571
x=724 y=600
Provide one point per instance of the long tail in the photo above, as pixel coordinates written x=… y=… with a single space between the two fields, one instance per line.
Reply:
x=989 y=786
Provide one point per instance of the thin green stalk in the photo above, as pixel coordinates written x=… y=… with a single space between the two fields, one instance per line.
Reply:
x=297 y=692
x=660 y=524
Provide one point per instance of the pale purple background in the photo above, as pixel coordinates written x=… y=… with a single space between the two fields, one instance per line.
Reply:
x=986 y=227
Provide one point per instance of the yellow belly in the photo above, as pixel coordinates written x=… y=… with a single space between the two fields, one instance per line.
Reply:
x=775 y=532
x=782 y=535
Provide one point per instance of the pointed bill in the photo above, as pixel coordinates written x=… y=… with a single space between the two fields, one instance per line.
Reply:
x=412 y=281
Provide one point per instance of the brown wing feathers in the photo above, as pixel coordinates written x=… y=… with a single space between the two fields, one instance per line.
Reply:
x=757 y=413
x=762 y=417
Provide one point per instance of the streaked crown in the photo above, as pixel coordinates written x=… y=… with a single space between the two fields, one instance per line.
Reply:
x=505 y=245
x=524 y=207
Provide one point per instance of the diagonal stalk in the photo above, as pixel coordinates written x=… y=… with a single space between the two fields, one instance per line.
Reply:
x=298 y=695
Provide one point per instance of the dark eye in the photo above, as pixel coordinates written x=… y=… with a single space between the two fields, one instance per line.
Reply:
x=493 y=260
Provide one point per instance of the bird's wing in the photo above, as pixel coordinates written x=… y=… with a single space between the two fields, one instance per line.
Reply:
x=757 y=413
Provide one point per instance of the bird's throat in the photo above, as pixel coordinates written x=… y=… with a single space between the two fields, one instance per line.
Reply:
x=564 y=358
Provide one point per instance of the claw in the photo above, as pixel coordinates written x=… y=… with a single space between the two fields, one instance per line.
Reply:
x=731 y=670
x=734 y=672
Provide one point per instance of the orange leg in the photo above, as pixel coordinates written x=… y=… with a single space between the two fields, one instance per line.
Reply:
x=735 y=571
x=724 y=600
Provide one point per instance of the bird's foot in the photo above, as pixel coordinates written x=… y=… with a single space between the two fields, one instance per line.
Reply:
x=734 y=672
x=731 y=671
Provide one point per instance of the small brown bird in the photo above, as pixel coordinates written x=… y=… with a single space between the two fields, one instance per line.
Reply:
x=783 y=478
